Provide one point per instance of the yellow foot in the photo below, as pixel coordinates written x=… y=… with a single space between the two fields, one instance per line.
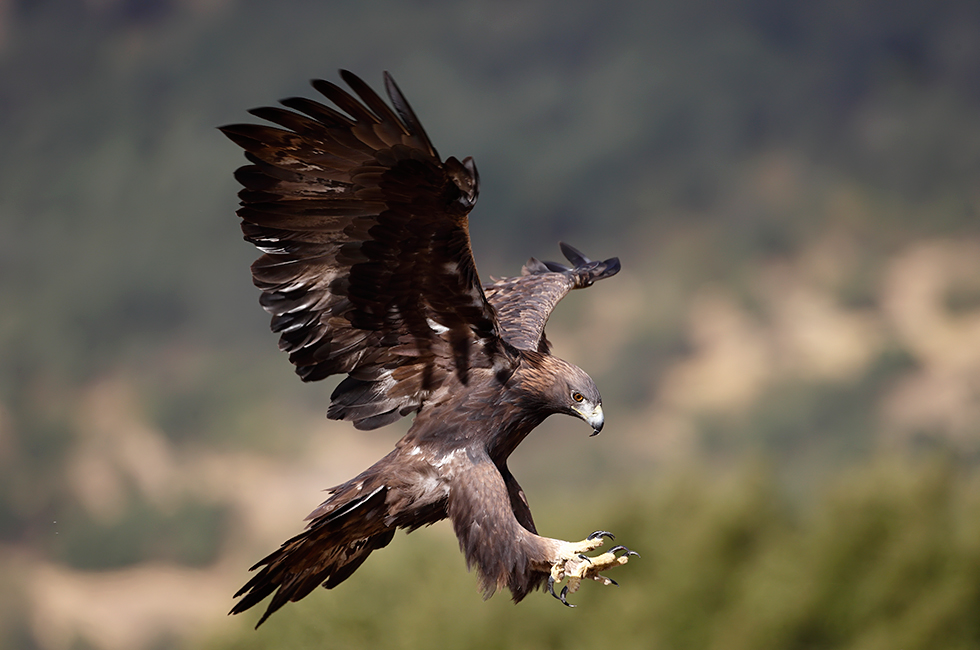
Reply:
x=572 y=563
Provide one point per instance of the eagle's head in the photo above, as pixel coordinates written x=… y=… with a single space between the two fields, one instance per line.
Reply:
x=582 y=398
x=561 y=387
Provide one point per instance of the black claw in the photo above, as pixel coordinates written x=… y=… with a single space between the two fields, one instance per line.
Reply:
x=564 y=592
x=612 y=582
x=628 y=552
x=583 y=556
x=601 y=533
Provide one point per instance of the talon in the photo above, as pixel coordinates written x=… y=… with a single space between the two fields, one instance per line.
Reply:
x=628 y=552
x=551 y=587
x=564 y=592
x=572 y=562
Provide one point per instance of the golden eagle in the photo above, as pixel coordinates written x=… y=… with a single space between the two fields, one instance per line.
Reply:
x=367 y=271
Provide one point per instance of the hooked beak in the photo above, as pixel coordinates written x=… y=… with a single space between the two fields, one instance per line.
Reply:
x=594 y=417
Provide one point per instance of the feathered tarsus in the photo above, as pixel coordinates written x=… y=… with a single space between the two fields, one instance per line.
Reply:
x=367 y=271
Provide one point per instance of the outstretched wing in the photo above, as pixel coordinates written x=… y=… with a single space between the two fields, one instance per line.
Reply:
x=367 y=268
x=524 y=303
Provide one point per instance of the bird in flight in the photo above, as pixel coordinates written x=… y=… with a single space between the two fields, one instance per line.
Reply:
x=367 y=270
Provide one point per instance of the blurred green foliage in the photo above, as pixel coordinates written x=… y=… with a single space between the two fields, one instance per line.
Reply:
x=628 y=128
x=885 y=556
x=188 y=534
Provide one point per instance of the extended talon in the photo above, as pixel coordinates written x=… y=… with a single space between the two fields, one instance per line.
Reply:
x=628 y=552
x=572 y=563
x=601 y=533
x=564 y=592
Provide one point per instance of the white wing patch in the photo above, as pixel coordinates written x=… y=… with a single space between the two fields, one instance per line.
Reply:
x=448 y=458
x=438 y=328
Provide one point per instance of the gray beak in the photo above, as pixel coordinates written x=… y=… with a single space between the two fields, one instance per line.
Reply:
x=595 y=418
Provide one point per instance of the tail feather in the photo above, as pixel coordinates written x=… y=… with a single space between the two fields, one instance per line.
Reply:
x=332 y=547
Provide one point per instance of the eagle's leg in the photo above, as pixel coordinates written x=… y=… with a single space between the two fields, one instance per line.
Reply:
x=572 y=563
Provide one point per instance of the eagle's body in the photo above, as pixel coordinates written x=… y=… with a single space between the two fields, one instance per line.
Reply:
x=367 y=271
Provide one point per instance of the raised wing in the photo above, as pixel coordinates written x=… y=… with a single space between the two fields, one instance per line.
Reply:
x=367 y=268
x=525 y=302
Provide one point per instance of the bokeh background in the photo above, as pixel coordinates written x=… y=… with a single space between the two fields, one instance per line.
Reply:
x=790 y=358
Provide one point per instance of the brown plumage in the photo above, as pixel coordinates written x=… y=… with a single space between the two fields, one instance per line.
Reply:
x=367 y=271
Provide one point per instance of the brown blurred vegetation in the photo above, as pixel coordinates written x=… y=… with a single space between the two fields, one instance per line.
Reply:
x=790 y=359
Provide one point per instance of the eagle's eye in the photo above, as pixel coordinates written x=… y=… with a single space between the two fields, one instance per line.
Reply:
x=577 y=396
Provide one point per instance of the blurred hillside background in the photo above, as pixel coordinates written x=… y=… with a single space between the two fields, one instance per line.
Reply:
x=790 y=358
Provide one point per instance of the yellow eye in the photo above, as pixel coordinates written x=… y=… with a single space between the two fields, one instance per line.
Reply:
x=577 y=396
